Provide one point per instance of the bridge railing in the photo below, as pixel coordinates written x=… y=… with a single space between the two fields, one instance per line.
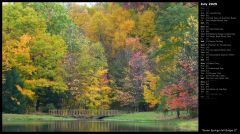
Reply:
x=84 y=112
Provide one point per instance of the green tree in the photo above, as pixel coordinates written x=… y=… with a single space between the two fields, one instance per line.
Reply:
x=19 y=20
x=13 y=101
x=172 y=39
x=20 y=24
x=47 y=53
x=54 y=14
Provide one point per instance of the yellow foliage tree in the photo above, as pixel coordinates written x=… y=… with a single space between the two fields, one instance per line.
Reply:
x=79 y=16
x=25 y=92
x=96 y=95
x=121 y=35
x=111 y=27
x=43 y=83
x=17 y=54
x=149 y=88
x=146 y=27
x=99 y=28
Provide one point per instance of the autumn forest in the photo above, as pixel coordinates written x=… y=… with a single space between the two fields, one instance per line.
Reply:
x=126 y=56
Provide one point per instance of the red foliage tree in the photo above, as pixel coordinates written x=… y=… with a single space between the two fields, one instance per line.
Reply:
x=178 y=97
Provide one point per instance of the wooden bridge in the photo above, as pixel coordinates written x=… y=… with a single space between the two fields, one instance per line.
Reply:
x=84 y=113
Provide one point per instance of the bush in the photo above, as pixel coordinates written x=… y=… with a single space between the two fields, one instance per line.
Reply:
x=193 y=113
x=48 y=107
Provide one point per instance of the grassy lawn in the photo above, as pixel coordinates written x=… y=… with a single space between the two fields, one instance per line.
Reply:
x=145 y=116
x=170 y=120
x=30 y=117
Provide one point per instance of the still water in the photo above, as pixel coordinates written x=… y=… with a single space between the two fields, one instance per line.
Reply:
x=88 y=126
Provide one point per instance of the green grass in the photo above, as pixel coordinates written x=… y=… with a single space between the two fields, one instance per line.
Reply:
x=141 y=116
x=32 y=117
x=145 y=116
x=166 y=120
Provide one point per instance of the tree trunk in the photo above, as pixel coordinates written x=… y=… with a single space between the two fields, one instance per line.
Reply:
x=37 y=105
x=178 y=113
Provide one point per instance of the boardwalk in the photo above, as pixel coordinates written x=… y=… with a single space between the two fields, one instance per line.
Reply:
x=83 y=113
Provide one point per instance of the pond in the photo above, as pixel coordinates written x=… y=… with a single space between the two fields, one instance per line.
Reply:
x=88 y=126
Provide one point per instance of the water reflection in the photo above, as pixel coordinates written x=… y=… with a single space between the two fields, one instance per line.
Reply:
x=89 y=126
